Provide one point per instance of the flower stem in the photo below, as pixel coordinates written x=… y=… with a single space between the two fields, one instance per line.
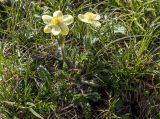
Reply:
x=61 y=44
x=63 y=53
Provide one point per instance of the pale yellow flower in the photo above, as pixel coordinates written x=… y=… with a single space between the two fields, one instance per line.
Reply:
x=58 y=23
x=2 y=1
x=90 y=18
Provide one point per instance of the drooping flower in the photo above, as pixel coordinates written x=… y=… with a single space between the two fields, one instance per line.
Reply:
x=90 y=18
x=58 y=23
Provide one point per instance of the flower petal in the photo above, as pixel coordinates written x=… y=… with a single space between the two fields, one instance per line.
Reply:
x=82 y=18
x=64 y=29
x=68 y=19
x=96 y=24
x=97 y=17
x=47 y=29
x=57 y=14
x=56 y=30
x=46 y=19
x=89 y=13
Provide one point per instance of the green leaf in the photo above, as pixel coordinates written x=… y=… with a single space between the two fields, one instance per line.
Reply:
x=119 y=29
x=43 y=73
x=30 y=104
x=9 y=103
x=15 y=117
x=35 y=113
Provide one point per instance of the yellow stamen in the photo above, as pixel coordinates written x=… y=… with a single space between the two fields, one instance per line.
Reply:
x=90 y=16
x=56 y=20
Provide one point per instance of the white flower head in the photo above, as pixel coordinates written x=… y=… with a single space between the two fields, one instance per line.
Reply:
x=58 y=23
x=90 y=18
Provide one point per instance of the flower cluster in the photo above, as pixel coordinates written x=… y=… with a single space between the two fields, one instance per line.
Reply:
x=58 y=23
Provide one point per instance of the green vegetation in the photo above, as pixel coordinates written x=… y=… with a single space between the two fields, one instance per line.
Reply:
x=110 y=72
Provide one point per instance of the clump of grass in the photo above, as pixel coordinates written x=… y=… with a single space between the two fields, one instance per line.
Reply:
x=112 y=71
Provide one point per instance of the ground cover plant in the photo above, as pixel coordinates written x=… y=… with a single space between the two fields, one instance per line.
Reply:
x=102 y=63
